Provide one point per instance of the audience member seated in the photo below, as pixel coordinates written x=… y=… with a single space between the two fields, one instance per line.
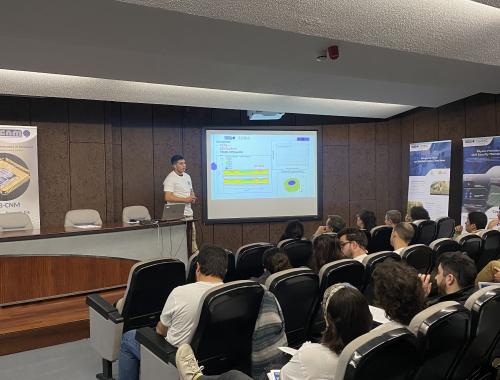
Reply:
x=353 y=244
x=475 y=221
x=490 y=273
x=294 y=230
x=347 y=317
x=401 y=236
x=392 y=217
x=398 y=291
x=455 y=277
x=366 y=220
x=325 y=250
x=273 y=260
x=417 y=213
x=334 y=223
x=179 y=315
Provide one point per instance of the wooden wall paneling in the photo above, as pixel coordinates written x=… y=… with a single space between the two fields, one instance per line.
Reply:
x=480 y=116
x=194 y=120
x=137 y=155
x=228 y=235
x=383 y=178
x=112 y=133
x=255 y=232
x=361 y=165
x=86 y=121
x=88 y=177
x=394 y=164
x=87 y=156
x=167 y=135
x=452 y=127
x=498 y=113
x=425 y=125
x=336 y=181
x=310 y=227
x=14 y=110
x=51 y=118
x=406 y=140
x=335 y=135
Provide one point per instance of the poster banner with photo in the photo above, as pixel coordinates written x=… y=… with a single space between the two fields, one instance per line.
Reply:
x=19 y=171
x=429 y=179
x=481 y=178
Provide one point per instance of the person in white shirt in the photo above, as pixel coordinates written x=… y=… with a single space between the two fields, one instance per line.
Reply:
x=353 y=243
x=401 y=236
x=177 y=185
x=179 y=315
x=347 y=317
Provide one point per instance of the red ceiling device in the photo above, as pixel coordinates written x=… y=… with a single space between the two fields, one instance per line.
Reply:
x=333 y=52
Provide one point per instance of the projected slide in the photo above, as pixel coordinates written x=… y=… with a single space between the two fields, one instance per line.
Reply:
x=250 y=169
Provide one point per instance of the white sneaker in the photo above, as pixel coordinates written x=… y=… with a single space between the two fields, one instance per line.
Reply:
x=186 y=362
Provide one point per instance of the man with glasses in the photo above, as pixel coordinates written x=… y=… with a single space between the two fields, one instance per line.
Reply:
x=353 y=243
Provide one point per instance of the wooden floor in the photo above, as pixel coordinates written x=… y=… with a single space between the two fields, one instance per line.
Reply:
x=46 y=323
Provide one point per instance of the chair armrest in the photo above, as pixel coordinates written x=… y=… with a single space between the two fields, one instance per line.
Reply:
x=104 y=308
x=156 y=343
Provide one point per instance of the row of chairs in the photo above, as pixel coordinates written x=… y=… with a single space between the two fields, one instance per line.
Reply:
x=445 y=341
x=19 y=221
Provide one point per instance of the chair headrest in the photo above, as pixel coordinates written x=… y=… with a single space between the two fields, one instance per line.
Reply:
x=83 y=216
x=380 y=228
x=478 y=294
x=439 y=241
x=135 y=212
x=15 y=221
x=287 y=273
x=335 y=264
x=351 y=348
x=418 y=319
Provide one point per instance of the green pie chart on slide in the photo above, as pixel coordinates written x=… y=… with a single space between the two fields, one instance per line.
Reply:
x=292 y=185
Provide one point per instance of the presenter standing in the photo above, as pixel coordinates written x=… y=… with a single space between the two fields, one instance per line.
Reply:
x=178 y=188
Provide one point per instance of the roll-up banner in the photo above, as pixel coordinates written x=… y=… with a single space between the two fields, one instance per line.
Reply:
x=481 y=178
x=19 y=171
x=429 y=180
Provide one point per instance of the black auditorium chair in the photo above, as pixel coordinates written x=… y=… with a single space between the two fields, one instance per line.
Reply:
x=442 y=245
x=484 y=308
x=425 y=232
x=445 y=227
x=249 y=260
x=230 y=273
x=380 y=239
x=419 y=256
x=344 y=270
x=298 y=251
x=387 y=352
x=370 y=262
x=149 y=285
x=490 y=248
x=471 y=245
x=297 y=293
x=223 y=337
x=442 y=332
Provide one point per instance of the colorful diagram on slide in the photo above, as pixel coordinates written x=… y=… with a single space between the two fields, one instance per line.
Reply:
x=259 y=166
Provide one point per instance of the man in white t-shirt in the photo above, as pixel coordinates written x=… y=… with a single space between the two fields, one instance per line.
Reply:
x=178 y=187
x=180 y=313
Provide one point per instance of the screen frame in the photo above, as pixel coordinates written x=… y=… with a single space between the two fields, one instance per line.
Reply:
x=319 y=174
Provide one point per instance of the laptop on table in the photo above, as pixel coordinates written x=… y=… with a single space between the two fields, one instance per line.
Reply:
x=173 y=211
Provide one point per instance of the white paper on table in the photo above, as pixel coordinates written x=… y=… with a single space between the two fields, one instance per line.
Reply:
x=86 y=226
x=378 y=314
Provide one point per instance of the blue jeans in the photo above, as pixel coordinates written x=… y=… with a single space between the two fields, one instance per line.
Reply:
x=130 y=357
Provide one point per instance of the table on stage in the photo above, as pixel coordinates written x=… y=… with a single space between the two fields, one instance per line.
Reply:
x=50 y=262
